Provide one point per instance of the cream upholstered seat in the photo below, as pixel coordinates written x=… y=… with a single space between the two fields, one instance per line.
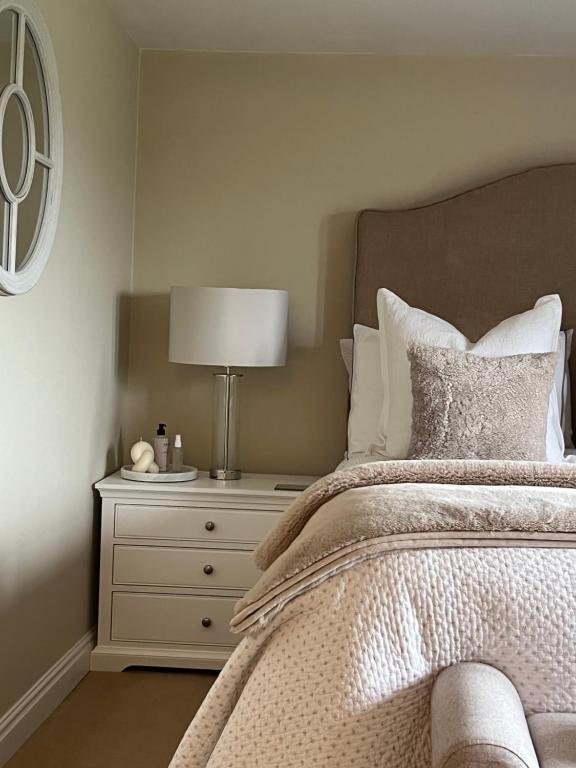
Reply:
x=554 y=736
x=478 y=721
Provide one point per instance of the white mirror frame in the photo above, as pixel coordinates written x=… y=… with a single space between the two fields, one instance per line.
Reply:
x=16 y=281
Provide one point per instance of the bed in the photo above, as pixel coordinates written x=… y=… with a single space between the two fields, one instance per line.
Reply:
x=384 y=573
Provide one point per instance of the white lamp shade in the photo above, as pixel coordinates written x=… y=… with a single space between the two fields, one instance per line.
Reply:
x=234 y=327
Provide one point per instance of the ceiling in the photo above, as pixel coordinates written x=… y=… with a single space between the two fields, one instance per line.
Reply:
x=472 y=27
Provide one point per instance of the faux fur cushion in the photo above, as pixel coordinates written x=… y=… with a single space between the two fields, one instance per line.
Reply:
x=471 y=407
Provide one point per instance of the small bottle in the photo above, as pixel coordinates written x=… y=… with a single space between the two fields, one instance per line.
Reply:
x=177 y=454
x=161 y=445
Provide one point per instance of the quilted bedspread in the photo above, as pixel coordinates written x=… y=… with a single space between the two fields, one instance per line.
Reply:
x=377 y=578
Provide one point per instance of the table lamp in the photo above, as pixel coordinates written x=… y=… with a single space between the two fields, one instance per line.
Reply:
x=232 y=328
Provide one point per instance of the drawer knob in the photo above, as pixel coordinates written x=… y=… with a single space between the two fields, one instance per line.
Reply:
x=209 y=525
x=208 y=569
x=206 y=622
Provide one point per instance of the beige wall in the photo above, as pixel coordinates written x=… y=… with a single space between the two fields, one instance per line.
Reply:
x=250 y=172
x=63 y=357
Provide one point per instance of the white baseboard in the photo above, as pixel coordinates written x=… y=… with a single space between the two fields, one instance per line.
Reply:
x=30 y=711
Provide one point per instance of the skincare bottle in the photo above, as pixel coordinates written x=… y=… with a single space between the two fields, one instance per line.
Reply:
x=177 y=454
x=161 y=444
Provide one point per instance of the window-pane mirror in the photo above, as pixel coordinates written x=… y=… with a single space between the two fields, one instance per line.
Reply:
x=30 y=146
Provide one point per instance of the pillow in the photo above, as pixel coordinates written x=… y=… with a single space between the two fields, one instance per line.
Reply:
x=564 y=392
x=562 y=386
x=401 y=325
x=367 y=394
x=471 y=407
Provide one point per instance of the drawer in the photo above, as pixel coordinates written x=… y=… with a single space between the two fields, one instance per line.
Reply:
x=173 y=619
x=180 y=567
x=192 y=523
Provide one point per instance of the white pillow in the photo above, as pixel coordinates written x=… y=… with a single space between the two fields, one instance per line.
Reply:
x=367 y=394
x=565 y=388
x=401 y=325
x=562 y=383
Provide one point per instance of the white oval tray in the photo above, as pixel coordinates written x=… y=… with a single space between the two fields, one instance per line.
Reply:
x=179 y=476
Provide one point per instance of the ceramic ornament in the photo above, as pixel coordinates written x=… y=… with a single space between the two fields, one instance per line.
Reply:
x=138 y=449
x=142 y=454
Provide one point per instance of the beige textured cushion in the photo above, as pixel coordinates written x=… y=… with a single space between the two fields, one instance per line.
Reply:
x=471 y=407
x=477 y=720
x=554 y=737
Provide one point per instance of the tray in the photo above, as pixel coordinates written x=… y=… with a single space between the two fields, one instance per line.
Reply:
x=178 y=476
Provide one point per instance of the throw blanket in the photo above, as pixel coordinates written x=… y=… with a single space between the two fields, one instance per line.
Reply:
x=378 y=577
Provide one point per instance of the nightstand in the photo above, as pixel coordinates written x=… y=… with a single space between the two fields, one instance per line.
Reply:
x=175 y=558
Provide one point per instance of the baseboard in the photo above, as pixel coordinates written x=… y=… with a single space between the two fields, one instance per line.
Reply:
x=30 y=711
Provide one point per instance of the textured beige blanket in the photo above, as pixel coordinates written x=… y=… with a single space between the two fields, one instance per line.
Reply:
x=341 y=519
x=379 y=577
x=454 y=472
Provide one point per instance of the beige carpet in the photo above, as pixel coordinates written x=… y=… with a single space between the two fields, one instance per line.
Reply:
x=132 y=719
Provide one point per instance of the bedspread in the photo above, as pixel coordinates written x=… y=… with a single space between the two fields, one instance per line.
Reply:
x=378 y=580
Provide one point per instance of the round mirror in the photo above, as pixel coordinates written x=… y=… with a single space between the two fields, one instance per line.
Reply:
x=30 y=146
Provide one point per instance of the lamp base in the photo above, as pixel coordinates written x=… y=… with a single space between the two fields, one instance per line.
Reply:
x=225 y=474
x=225 y=463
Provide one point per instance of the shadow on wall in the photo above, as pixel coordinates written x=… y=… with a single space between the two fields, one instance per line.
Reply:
x=34 y=599
x=335 y=279
x=115 y=452
x=293 y=419
x=122 y=348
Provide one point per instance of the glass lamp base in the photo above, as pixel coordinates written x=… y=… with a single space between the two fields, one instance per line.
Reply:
x=226 y=474
x=225 y=463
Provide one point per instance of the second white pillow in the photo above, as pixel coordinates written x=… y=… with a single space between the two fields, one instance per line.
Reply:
x=368 y=396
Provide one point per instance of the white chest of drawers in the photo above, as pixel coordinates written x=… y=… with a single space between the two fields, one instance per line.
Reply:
x=175 y=558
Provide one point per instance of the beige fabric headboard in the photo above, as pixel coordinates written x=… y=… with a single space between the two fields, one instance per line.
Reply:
x=478 y=257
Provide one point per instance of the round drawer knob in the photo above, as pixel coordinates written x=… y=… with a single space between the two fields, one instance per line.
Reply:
x=209 y=525
x=208 y=569
x=206 y=622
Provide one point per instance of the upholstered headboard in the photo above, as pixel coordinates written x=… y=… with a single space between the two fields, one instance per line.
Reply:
x=477 y=257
